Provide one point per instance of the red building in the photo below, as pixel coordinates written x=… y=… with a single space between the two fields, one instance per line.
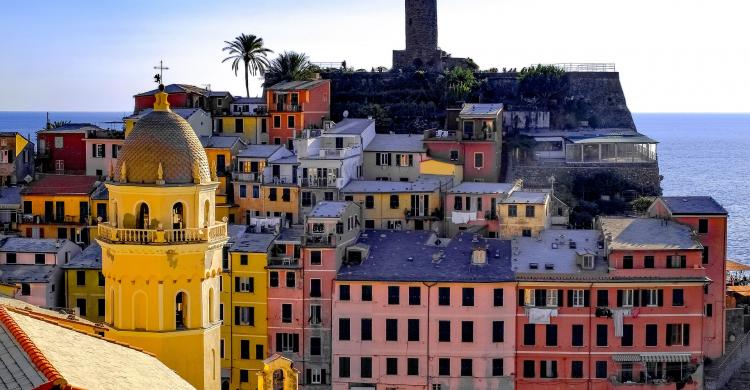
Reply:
x=187 y=96
x=297 y=105
x=708 y=221
x=62 y=150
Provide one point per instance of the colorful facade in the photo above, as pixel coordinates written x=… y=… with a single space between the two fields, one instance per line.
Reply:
x=16 y=158
x=296 y=105
x=62 y=150
x=187 y=96
x=248 y=118
x=84 y=284
x=221 y=152
x=393 y=157
x=475 y=205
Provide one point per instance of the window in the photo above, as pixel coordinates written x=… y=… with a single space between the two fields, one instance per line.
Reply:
x=315 y=346
x=391 y=366
x=467 y=331
x=315 y=288
x=498 y=331
x=676 y=261
x=466 y=367
x=393 y=295
x=678 y=334
x=552 y=298
x=444 y=331
x=415 y=295
x=344 y=329
x=291 y=279
x=703 y=226
x=59 y=142
x=102 y=304
x=382 y=159
x=366 y=293
x=601 y=369
x=577 y=336
x=287 y=342
x=244 y=316
x=497 y=367
x=444 y=367
x=497 y=297
x=286 y=313
x=259 y=352
x=315 y=315
x=315 y=258
x=601 y=335
x=25 y=289
x=276 y=121
x=577 y=298
x=272 y=194
x=651 y=335
x=478 y=160
x=412 y=366
x=244 y=376
x=366 y=329
x=394 y=201
x=243 y=259
x=512 y=211
x=551 y=333
x=444 y=296
x=344 y=294
x=548 y=369
x=344 y=367
x=243 y=191
x=627 y=262
x=244 y=284
x=273 y=279
x=256 y=192
x=285 y=194
x=369 y=202
x=625 y=298
x=648 y=262
x=704 y=255
x=602 y=298
x=530 y=211
x=244 y=349
x=709 y=310
x=576 y=369
x=39 y=258
x=678 y=297
x=365 y=367
x=627 y=335
x=80 y=277
x=81 y=305
x=290 y=121
x=457 y=202
x=650 y=297
x=528 y=369
x=328 y=196
x=412 y=329
x=528 y=296
x=588 y=262
x=454 y=155
x=391 y=329
x=467 y=294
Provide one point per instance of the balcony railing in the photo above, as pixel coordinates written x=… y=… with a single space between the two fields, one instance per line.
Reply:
x=113 y=234
x=320 y=239
x=251 y=177
x=320 y=182
x=58 y=220
x=281 y=107
x=283 y=262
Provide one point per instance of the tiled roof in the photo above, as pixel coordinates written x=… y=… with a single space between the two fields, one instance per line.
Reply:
x=17 y=370
x=27 y=273
x=692 y=205
x=328 y=209
x=253 y=243
x=296 y=85
x=647 y=234
x=185 y=113
x=376 y=186
x=351 y=126
x=218 y=93
x=176 y=88
x=10 y=196
x=259 y=151
x=291 y=234
x=252 y=100
x=408 y=143
x=89 y=258
x=471 y=187
x=481 y=109
x=100 y=192
x=554 y=247
x=73 y=128
x=528 y=197
x=61 y=185
x=416 y=256
x=32 y=245
x=220 y=141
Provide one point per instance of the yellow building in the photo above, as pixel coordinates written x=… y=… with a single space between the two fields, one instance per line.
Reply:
x=221 y=152
x=84 y=284
x=397 y=205
x=162 y=248
x=252 y=128
x=244 y=335
x=524 y=214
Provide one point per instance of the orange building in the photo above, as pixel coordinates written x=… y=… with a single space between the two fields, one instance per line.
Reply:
x=221 y=151
x=297 y=105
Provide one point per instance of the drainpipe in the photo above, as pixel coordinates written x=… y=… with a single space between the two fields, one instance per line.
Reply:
x=591 y=309
x=429 y=286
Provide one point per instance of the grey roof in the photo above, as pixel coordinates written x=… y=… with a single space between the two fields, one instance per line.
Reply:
x=529 y=197
x=177 y=88
x=472 y=187
x=100 y=192
x=27 y=273
x=218 y=93
x=351 y=126
x=481 y=109
x=328 y=209
x=413 y=256
x=253 y=243
x=412 y=143
x=259 y=151
x=291 y=234
x=647 y=233
x=10 y=196
x=32 y=245
x=17 y=371
x=691 y=205
x=252 y=100
x=287 y=160
x=89 y=258
x=74 y=128
x=422 y=184
x=235 y=231
x=296 y=85
x=220 y=141
x=185 y=113
x=553 y=247
x=613 y=139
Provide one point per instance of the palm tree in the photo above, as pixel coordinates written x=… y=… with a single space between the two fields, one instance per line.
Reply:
x=248 y=49
x=290 y=66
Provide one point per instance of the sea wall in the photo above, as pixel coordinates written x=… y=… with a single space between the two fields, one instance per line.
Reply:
x=644 y=178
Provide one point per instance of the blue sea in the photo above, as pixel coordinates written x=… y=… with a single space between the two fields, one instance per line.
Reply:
x=699 y=154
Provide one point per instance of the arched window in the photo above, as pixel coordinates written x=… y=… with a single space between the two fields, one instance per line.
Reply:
x=180 y=310
x=211 y=315
x=178 y=216
x=143 y=217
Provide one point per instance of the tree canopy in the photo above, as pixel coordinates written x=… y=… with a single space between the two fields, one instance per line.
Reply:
x=249 y=51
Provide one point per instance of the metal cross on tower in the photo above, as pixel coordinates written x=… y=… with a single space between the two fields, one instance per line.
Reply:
x=160 y=76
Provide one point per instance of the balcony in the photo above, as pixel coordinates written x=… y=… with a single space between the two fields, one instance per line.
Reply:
x=115 y=235
x=250 y=177
x=321 y=182
x=338 y=152
x=281 y=107
x=440 y=135
x=320 y=239
x=421 y=214
x=283 y=262
x=54 y=220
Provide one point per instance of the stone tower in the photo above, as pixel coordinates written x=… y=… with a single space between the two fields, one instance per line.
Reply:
x=421 y=37
x=161 y=248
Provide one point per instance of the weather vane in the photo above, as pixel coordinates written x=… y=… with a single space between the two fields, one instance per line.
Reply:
x=160 y=76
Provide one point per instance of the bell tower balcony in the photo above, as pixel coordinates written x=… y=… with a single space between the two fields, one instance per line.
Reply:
x=115 y=235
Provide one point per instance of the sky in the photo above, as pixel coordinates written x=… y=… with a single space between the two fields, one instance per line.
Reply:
x=673 y=56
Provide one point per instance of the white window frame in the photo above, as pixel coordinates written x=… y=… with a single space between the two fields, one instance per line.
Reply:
x=59 y=143
x=588 y=261
x=551 y=298
x=245 y=284
x=677 y=331
x=403 y=160
x=675 y=261
x=628 y=297
x=395 y=224
x=100 y=150
x=315 y=316
x=315 y=376
x=287 y=342
x=529 y=298
x=578 y=298
x=244 y=316
x=653 y=298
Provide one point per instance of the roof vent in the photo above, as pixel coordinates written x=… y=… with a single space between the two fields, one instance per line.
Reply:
x=479 y=256
x=410 y=259
x=572 y=244
x=549 y=266
x=554 y=245
x=475 y=238
x=533 y=265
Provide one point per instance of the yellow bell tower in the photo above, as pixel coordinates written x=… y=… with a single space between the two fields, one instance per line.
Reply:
x=161 y=248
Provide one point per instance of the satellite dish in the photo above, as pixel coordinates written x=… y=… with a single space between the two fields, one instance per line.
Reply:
x=346 y=113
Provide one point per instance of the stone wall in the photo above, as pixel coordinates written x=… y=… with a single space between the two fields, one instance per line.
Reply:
x=644 y=178
x=735 y=323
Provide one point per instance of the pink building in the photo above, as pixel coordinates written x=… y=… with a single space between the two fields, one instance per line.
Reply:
x=412 y=311
x=475 y=204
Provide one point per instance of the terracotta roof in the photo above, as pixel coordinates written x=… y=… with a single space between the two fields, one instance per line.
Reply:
x=61 y=185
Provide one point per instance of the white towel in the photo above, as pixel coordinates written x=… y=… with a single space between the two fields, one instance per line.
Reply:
x=540 y=315
x=619 y=315
x=459 y=217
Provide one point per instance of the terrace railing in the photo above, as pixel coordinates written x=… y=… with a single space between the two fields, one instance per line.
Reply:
x=113 y=234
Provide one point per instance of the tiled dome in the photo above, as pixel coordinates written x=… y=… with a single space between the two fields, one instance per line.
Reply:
x=162 y=137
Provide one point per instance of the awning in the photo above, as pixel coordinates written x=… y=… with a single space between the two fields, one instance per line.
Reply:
x=742 y=290
x=626 y=357
x=658 y=357
x=736 y=266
